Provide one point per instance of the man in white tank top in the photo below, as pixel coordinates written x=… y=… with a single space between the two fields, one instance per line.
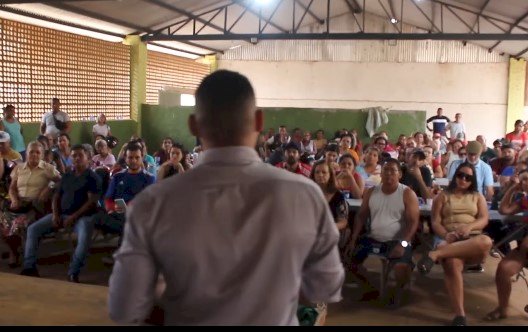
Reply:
x=393 y=212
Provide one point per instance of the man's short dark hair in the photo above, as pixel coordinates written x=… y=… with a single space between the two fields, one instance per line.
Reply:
x=55 y=99
x=134 y=146
x=79 y=147
x=225 y=106
x=394 y=162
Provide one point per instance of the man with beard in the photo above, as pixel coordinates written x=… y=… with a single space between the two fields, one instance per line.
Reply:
x=123 y=187
x=484 y=173
x=509 y=158
x=292 y=154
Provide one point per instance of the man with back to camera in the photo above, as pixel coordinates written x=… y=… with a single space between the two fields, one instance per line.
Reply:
x=236 y=248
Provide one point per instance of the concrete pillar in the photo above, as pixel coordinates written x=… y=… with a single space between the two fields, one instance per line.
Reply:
x=138 y=75
x=516 y=90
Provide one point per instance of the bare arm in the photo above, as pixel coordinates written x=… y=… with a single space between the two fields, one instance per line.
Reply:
x=489 y=192
x=436 y=216
x=42 y=128
x=361 y=217
x=412 y=214
x=68 y=128
x=507 y=206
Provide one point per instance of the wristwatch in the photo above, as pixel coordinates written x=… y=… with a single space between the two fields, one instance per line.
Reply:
x=405 y=244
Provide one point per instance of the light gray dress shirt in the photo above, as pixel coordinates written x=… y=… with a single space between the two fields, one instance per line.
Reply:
x=236 y=240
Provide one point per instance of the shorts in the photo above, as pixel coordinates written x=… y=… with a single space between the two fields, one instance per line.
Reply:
x=367 y=246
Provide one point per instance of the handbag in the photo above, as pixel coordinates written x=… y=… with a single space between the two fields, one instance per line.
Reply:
x=61 y=125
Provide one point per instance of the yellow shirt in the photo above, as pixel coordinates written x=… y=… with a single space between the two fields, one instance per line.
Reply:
x=30 y=182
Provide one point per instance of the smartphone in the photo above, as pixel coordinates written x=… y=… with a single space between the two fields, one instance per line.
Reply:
x=120 y=203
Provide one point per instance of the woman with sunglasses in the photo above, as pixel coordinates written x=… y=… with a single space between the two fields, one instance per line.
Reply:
x=458 y=216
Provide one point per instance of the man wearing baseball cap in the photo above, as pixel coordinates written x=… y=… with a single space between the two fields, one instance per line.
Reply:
x=6 y=152
x=484 y=173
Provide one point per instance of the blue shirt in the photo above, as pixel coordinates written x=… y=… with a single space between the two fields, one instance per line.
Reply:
x=74 y=190
x=484 y=174
x=14 y=130
x=126 y=185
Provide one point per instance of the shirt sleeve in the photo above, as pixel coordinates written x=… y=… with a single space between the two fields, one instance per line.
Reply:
x=110 y=192
x=94 y=184
x=66 y=117
x=132 y=290
x=452 y=169
x=14 y=174
x=488 y=175
x=323 y=274
x=44 y=118
x=426 y=175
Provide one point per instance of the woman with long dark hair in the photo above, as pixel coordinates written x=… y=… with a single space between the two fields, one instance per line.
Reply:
x=324 y=176
x=458 y=216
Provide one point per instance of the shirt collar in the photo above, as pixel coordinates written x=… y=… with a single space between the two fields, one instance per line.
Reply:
x=229 y=155
x=41 y=164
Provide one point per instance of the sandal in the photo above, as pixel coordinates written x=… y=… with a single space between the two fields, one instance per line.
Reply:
x=494 y=316
x=459 y=321
x=425 y=264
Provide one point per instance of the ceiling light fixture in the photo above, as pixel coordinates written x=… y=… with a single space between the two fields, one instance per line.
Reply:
x=393 y=20
x=262 y=2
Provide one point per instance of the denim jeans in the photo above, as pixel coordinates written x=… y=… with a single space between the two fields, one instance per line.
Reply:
x=83 y=227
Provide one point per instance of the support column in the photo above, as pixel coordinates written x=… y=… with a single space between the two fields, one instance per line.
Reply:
x=516 y=90
x=138 y=76
x=212 y=61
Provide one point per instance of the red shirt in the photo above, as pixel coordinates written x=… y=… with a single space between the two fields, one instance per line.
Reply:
x=518 y=141
x=302 y=169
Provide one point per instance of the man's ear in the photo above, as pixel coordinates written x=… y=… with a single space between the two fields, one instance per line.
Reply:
x=259 y=120
x=193 y=125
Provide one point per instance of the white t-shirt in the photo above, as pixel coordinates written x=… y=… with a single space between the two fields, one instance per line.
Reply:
x=102 y=130
x=50 y=122
x=456 y=129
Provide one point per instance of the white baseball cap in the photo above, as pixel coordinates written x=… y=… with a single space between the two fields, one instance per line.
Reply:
x=4 y=137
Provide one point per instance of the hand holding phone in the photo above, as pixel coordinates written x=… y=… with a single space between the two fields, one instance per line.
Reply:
x=120 y=205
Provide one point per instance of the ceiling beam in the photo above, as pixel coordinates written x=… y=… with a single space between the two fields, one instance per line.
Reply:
x=389 y=16
x=57 y=21
x=45 y=2
x=77 y=10
x=353 y=12
x=345 y=36
x=516 y=23
x=268 y=21
x=175 y=9
x=310 y=12
x=138 y=28
x=177 y=49
x=521 y=53
x=481 y=10
x=475 y=13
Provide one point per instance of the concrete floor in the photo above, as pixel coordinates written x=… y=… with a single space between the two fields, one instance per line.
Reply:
x=427 y=305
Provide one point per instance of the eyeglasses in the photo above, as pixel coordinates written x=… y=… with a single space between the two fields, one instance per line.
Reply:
x=464 y=176
x=462 y=154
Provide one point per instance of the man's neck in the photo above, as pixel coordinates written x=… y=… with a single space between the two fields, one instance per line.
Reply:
x=80 y=170
x=292 y=168
x=389 y=189
x=134 y=171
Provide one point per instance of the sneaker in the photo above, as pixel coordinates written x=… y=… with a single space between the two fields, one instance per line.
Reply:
x=32 y=272
x=459 y=321
x=73 y=278
x=475 y=268
x=494 y=253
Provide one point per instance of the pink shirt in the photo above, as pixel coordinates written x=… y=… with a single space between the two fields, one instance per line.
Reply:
x=109 y=161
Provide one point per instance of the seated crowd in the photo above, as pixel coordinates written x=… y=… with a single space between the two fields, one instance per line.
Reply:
x=393 y=180
x=81 y=188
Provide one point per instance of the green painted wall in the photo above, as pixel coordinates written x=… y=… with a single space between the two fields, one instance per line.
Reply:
x=82 y=131
x=158 y=122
